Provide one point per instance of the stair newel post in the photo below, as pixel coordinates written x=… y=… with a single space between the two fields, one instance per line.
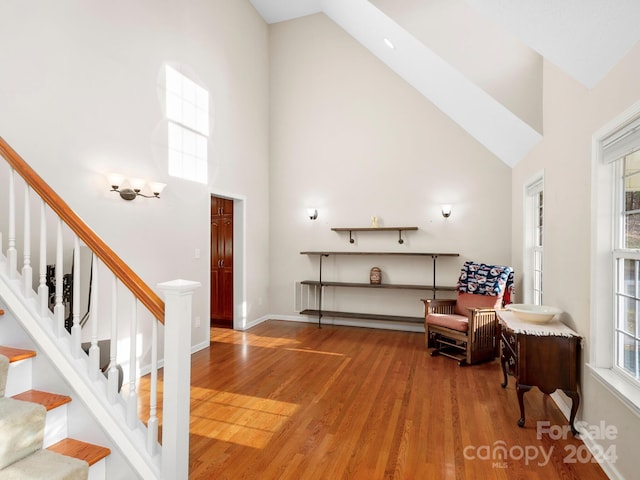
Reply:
x=94 y=350
x=132 y=398
x=152 y=424
x=76 y=330
x=27 y=271
x=12 y=253
x=58 y=309
x=178 y=297
x=43 y=290
x=113 y=374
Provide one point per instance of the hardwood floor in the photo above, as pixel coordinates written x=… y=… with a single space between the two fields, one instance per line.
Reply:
x=291 y=401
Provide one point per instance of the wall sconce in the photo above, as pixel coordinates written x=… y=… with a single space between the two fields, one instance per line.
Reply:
x=135 y=186
x=313 y=213
x=446 y=210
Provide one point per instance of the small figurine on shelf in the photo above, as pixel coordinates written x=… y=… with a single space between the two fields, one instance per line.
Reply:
x=375 y=276
x=374 y=222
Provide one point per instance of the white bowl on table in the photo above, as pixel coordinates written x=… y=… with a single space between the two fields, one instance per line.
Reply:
x=528 y=312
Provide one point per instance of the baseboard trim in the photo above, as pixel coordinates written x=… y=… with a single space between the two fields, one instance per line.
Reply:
x=592 y=445
x=381 y=325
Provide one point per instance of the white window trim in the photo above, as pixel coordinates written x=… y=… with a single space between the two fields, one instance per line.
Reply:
x=603 y=198
x=528 y=240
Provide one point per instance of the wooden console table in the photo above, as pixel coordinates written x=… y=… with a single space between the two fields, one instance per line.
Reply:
x=543 y=356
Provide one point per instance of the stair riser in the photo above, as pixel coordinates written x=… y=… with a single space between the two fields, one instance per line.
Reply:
x=98 y=471
x=20 y=377
x=55 y=428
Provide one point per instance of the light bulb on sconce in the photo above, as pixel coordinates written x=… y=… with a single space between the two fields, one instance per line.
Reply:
x=312 y=213
x=446 y=210
x=135 y=186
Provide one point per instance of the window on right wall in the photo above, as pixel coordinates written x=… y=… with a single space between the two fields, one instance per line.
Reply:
x=626 y=259
x=615 y=275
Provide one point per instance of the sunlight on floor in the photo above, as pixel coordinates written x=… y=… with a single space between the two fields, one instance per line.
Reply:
x=241 y=419
x=244 y=338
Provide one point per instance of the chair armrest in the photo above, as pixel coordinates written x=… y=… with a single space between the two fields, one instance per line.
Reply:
x=479 y=317
x=438 y=306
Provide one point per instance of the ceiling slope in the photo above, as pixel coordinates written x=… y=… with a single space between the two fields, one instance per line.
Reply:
x=274 y=11
x=585 y=38
x=484 y=118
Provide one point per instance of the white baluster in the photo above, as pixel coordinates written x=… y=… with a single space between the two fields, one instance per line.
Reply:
x=43 y=290
x=94 y=350
x=132 y=398
x=12 y=253
x=152 y=425
x=58 y=309
x=27 y=271
x=113 y=374
x=76 y=330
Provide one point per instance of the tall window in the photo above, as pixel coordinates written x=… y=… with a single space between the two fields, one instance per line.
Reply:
x=615 y=260
x=188 y=117
x=534 y=236
x=627 y=265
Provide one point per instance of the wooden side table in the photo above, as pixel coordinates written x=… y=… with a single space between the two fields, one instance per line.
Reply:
x=543 y=356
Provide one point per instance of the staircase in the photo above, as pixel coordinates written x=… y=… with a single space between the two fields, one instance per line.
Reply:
x=33 y=423
x=151 y=334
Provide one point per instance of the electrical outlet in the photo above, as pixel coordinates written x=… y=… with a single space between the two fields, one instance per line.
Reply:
x=196 y=322
x=196 y=253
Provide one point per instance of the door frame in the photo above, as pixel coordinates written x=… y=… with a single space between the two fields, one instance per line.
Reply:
x=239 y=254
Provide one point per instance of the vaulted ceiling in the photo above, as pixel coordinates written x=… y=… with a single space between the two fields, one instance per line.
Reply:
x=584 y=38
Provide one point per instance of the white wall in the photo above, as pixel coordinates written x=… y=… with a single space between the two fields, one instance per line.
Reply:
x=351 y=138
x=572 y=114
x=79 y=97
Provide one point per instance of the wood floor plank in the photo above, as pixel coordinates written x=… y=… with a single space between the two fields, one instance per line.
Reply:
x=289 y=400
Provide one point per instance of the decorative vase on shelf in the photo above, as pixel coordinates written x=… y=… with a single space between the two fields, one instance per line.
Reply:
x=374 y=222
x=375 y=276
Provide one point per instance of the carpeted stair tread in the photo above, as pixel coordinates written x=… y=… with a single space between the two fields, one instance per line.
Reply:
x=88 y=452
x=22 y=429
x=46 y=464
x=47 y=399
x=15 y=354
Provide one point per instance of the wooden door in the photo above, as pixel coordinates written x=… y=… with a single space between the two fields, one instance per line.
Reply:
x=221 y=262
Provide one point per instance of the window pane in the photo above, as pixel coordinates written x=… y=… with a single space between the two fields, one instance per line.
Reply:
x=629 y=278
x=174 y=107
x=632 y=230
x=189 y=115
x=628 y=355
x=627 y=315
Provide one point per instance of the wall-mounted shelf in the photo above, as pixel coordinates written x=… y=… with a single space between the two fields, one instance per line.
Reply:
x=374 y=229
x=320 y=284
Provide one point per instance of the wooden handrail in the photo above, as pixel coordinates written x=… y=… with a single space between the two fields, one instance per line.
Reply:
x=120 y=269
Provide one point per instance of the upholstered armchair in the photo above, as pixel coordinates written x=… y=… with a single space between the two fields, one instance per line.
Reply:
x=466 y=328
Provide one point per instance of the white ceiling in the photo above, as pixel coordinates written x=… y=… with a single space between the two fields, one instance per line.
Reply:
x=585 y=38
